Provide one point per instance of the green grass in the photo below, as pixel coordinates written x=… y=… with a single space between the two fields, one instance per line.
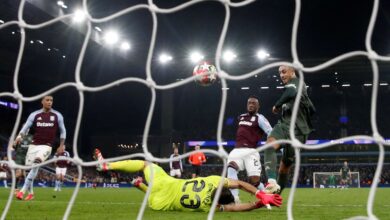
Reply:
x=103 y=203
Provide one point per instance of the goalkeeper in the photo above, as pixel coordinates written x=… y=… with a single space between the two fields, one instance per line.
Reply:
x=196 y=194
x=303 y=126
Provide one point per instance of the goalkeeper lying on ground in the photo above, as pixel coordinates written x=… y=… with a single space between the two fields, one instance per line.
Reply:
x=196 y=194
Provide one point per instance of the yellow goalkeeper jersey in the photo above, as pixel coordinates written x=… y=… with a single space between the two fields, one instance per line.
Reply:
x=169 y=193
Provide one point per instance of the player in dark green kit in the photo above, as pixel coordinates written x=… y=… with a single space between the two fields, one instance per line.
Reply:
x=345 y=173
x=20 y=157
x=303 y=126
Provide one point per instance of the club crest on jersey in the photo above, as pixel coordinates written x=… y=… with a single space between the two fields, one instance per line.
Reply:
x=253 y=118
x=39 y=118
x=52 y=118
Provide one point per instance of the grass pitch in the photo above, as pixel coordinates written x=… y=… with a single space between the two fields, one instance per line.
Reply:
x=124 y=203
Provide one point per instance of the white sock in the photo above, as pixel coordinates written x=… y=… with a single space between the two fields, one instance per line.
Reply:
x=28 y=183
x=5 y=183
x=232 y=174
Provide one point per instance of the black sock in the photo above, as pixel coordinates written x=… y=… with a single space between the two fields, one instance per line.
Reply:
x=282 y=181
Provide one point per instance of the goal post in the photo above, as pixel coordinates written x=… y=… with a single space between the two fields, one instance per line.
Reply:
x=333 y=180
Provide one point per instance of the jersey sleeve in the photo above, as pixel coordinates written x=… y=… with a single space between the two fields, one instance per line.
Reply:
x=289 y=93
x=28 y=124
x=61 y=126
x=264 y=124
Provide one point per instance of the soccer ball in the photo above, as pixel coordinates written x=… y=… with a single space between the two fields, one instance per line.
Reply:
x=272 y=187
x=209 y=71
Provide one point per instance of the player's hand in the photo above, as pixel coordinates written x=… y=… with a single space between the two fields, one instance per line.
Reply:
x=268 y=199
x=275 y=110
x=18 y=140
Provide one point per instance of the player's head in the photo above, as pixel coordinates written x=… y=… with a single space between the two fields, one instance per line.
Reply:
x=286 y=73
x=47 y=102
x=253 y=104
x=197 y=147
x=345 y=163
x=225 y=198
x=176 y=151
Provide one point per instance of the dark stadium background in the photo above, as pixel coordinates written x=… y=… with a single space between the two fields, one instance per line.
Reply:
x=117 y=116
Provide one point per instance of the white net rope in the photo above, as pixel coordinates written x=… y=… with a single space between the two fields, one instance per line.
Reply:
x=223 y=75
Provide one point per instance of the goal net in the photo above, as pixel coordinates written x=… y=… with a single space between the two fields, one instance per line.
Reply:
x=334 y=180
x=149 y=81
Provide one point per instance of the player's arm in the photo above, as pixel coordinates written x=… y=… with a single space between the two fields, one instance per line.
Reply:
x=190 y=159
x=61 y=126
x=203 y=158
x=264 y=124
x=238 y=184
x=170 y=162
x=181 y=165
x=289 y=93
x=25 y=128
x=239 y=207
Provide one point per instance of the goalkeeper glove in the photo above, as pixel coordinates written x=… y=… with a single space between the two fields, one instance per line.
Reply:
x=268 y=199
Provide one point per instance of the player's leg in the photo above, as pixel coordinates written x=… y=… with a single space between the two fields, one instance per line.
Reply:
x=128 y=166
x=138 y=183
x=62 y=177
x=235 y=164
x=36 y=154
x=253 y=166
x=279 y=132
x=194 y=171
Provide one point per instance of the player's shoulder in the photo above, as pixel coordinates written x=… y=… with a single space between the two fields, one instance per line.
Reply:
x=56 y=112
x=36 y=112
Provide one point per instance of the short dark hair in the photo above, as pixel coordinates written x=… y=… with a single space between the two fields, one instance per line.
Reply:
x=253 y=96
x=226 y=196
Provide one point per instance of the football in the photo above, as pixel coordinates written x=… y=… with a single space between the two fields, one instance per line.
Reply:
x=207 y=74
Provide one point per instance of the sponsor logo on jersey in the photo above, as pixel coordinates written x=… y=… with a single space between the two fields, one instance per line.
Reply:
x=245 y=123
x=52 y=118
x=44 y=124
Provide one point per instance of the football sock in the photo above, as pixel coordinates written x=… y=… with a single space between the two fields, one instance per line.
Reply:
x=282 y=181
x=270 y=163
x=143 y=187
x=129 y=166
x=232 y=174
x=30 y=180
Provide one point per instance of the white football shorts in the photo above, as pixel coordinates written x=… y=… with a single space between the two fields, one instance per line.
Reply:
x=247 y=159
x=41 y=152
x=61 y=171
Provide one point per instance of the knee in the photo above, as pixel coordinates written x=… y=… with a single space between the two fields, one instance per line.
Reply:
x=255 y=181
x=284 y=168
x=233 y=165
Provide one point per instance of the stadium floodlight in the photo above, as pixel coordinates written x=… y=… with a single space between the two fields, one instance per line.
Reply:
x=229 y=56
x=125 y=46
x=60 y=3
x=245 y=88
x=367 y=84
x=111 y=37
x=63 y=56
x=346 y=85
x=196 y=57
x=262 y=54
x=264 y=87
x=325 y=86
x=31 y=41
x=383 y=84
x=164 y=58
x=79 y=16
